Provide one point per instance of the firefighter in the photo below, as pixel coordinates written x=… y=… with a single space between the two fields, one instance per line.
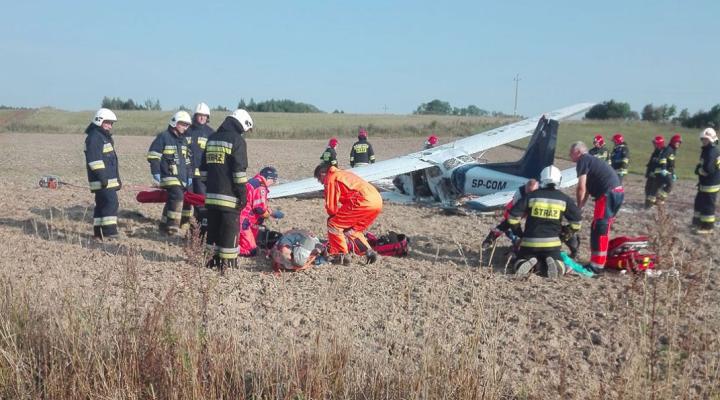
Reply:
x=545 y=209
x=223 y=167
x=666 y=176
x=362 y=152
x=196 y=137
x=597 y=179
x=171 y=169
x=431 y=142
x=504 y=226
x=103 y=173
x=708 y=172
x=654 y=168
x=620 y=157
x=256 y=210
x=329 y=156
x=352 y=205
x=599 y=150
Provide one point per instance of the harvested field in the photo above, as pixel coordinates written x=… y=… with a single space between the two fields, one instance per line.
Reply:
x=139 y=318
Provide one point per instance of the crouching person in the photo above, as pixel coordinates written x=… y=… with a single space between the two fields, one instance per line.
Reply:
x=256 y=210
x=296 y=250
x=352 y=205
x=545 y=209
x=504 y=227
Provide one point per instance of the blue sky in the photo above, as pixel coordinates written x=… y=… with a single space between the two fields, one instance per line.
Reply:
x=361 y=56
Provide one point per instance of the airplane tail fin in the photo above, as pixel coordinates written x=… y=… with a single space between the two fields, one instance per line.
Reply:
x=539 y=154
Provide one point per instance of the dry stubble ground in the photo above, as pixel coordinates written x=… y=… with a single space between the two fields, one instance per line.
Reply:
x=528 y=337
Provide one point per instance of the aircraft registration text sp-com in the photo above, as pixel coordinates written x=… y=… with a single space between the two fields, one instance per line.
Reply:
x=489 y=184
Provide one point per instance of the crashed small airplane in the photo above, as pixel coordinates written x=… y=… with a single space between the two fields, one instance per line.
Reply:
x=449 y=176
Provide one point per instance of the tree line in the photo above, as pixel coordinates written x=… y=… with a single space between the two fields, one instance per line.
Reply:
x=284 y=105
x=439 y=107
x=612 y=109
x=116 y=103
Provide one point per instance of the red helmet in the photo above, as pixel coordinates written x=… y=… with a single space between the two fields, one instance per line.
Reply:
x=659 y=142
x=599 y=140
x=333 y=142
x=432 y=140
x=675 y=140
x=618 y=138
x=362 y=133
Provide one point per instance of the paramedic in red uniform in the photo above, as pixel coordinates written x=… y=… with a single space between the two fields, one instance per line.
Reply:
x=597 y=179
x=352 y=205
x=256 y=210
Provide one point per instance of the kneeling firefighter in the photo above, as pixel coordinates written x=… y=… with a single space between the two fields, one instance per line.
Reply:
x=545 y=209
x=352 y=205
x=256 y=210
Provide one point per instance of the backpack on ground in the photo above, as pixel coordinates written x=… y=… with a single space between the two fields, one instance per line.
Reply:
x=631 y=253
x=392 y=244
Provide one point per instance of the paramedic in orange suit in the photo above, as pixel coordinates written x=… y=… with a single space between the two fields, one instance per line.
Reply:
x=352 y=205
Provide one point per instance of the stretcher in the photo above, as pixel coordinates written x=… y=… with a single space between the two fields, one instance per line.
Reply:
x=160 y=196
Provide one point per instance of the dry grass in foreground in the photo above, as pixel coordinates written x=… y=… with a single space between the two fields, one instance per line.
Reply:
x=103 y=346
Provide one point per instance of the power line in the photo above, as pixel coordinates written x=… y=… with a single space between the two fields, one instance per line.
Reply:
x=517 y=81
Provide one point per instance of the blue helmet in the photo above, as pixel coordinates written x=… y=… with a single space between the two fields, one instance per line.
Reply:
x=269 y=173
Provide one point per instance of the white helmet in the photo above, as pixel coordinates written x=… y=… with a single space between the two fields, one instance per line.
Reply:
x=244 y=118
x=709 y=133
x=180 y=116
x=103 y=114
x=550 y=175
x=203 y=109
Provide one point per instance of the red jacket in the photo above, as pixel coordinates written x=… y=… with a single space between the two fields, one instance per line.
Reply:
x=256 y=208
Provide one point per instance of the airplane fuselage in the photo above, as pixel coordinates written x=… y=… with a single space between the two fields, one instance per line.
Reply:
x=475 y=180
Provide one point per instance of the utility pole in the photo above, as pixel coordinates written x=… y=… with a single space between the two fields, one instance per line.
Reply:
x=517 y=80
x=385 y=108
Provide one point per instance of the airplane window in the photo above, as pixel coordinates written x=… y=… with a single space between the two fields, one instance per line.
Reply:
x=451 y=163
x=465 y=159
x=434 y=172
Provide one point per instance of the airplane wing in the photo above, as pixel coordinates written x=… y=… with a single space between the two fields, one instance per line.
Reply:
x=427 y=158
x=569 y=177
x=491 y=201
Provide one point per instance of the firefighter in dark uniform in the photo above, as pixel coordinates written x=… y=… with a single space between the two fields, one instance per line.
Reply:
x=653 y=170
x=597 y=179
x=620 y=157
x=171 y=169
x=223 y=167
x=708 y=172
x=103 y=173
x=196 y=137
x=666 y=176
x=545 y=209
x=599 y=150
x=362 y=152
x=329 y=156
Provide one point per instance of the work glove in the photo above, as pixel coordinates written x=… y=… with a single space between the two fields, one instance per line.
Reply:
x=277 y=214
x=103 y=182
x=156 y=180
x=697 y=169
x=674 y=177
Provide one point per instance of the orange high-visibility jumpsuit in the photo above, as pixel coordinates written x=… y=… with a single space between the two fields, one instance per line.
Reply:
x=352 y=204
